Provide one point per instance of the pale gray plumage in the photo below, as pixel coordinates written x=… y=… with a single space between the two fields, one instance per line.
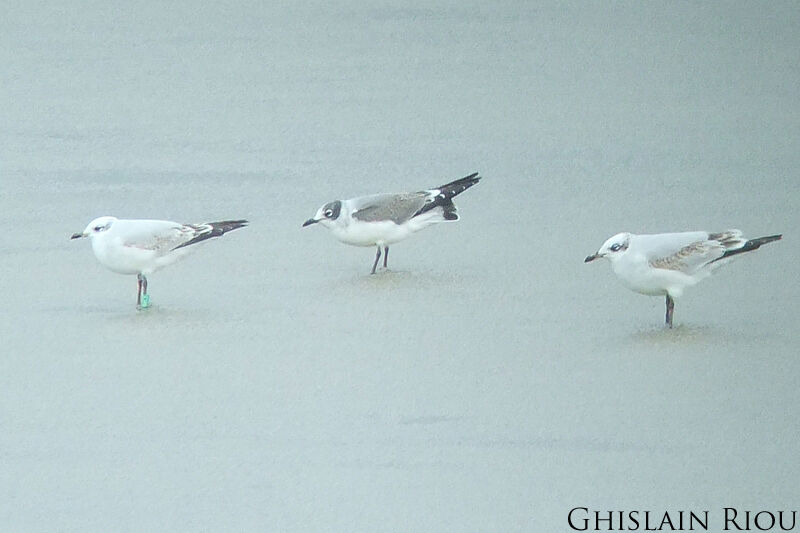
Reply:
x=398 y=208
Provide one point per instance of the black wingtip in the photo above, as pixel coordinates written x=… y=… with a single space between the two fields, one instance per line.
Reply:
x=448 y=191
x=769 y=238
x=750 y=245
x=217 y=230
x=229 y=225
x=755 y=244
x=454 y=188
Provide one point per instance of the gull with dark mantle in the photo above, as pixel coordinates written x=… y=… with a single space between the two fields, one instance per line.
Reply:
x=143 y=246
x=383 y=219
x=667 y=263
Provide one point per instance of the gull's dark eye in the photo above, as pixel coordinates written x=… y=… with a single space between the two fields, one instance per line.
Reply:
x=615 y=247
x=328 y=213
x=98 y=228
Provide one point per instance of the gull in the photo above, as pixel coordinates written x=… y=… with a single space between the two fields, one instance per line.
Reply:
x=667 y=263
x=384 y=219
x=143 y=246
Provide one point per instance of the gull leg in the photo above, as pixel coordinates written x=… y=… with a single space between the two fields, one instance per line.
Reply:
x=375 y=264
x=385 y=256
x=138 y=291
x=670 y=309
x=143 y=301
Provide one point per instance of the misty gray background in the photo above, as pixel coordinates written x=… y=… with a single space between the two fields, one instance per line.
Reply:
x=490 y=381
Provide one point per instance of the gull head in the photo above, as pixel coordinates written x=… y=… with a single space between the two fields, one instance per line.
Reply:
x=95 y=227
x=326 y=215
x=613 y=248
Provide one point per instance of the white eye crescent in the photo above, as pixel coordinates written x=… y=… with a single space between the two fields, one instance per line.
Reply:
x=328 y=213
x=615 y=247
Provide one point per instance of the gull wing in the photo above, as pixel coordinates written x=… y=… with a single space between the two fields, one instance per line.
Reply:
x=201 y=232
x=398 y=208
x=156 y=235
x=688 y=252
x=163 y=236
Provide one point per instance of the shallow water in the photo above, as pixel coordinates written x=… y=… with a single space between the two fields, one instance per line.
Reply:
x=490 y=380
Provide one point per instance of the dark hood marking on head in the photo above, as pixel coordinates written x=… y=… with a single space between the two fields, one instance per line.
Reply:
x=335 y=207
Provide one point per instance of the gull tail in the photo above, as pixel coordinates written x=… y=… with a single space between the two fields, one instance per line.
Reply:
x=749 y=246
x=212 y=229
x=445 y=195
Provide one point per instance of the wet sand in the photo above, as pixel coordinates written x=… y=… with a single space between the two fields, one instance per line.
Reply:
x=489 y=380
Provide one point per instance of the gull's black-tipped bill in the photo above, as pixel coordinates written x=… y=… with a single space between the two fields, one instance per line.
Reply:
x=590 y=258
x=77 y=235
x=309 y=222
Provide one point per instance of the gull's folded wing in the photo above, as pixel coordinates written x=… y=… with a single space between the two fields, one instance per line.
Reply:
x=687 y=252
x=398 y=208
x=156 y=235
x=163 y=236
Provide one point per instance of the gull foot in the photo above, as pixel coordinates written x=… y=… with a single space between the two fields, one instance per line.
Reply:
x=145 y=303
